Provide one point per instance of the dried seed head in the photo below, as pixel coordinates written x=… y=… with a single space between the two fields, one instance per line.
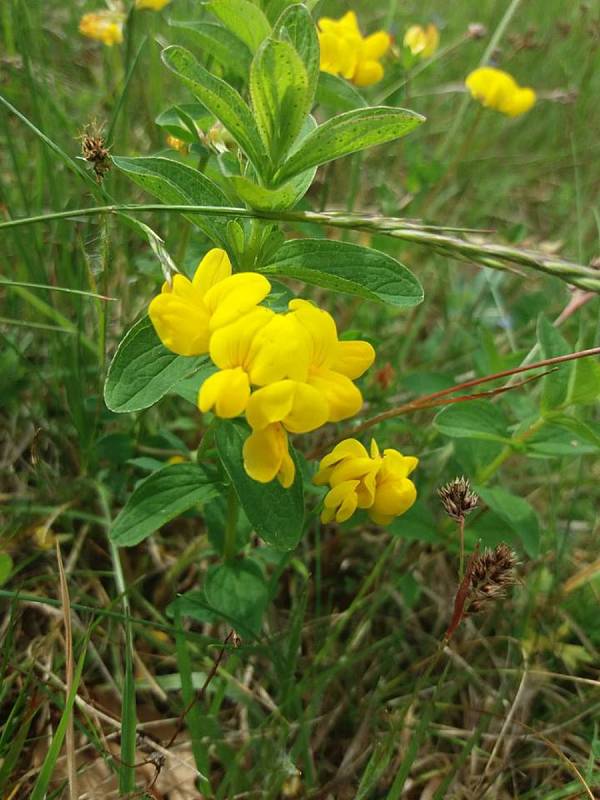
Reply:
x=476 y=30
x=457 y=498
x=94 y=150
x=491 y=573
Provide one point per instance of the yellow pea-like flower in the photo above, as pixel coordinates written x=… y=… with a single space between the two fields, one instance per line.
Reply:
x=187 y=313
x=422 y=41
x=497 y=89
x=266 y=456
x=346 y=52
x=152 y=5
x=368 y=480
x=104 y=26
x=257 y=349
x=333 y=365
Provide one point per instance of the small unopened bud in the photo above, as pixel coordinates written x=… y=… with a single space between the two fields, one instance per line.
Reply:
x=457 y=498
x=476 y=30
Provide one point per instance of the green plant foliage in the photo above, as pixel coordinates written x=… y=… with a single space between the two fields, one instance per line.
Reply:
x=244 y=19
x=347 y=268
x=476 y=419
x=238 y=590
x=517 y=513
x=295 y=24
x=348 y=133
x=176 y=183
x=221 y=100
x=6 y=567
x=277 y=514
x=220 y=43
x=143 y=370
x=159 y=498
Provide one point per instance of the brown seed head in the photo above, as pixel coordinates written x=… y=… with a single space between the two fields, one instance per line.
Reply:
x=94 y=150
x=457 y=498
x=492 y=572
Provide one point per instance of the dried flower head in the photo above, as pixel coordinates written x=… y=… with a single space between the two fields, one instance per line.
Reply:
x=491 y=573
x=476 y=30
x=94 y=150
x=457 y=498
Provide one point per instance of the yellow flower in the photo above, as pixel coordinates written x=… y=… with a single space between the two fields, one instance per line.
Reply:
x=496 y=89
x=358 y=479
x=177 y=144
x=186 y=314
x=258 y=349
x=153 y=5
x=266 y=456
x=422 y=42
x=333 y=365
x=346 y=52
x=104 y=26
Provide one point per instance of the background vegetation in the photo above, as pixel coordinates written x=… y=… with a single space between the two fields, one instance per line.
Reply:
x=344 y=693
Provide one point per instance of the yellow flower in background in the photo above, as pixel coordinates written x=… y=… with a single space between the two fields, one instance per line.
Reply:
x=186 y=314
x=496 y=89
x=105 y=26
x=422 y=42
x=177 y=144
x=333 y=365
x=359 y=479
x=346 y=52
x=152 y=5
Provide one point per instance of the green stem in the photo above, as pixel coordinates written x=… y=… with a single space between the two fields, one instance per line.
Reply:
x=230 y=545
x=487 y=472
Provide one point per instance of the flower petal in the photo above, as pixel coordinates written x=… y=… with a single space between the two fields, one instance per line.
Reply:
x=321 y=330
x=181 y=326
x=270 y=404
x=232 y=345
x=394 y=497
x=214 y=268
x=227 y=391
x=265 y=454
x=376 y=45
x=343 y=397
x=518 y=102
x=352 y=358
x=343 y=499
x=233 y=297
x=309 y=409
x=367 y=73
x=280 y=350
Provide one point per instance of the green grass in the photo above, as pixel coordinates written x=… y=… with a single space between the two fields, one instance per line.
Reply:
x=345 y=692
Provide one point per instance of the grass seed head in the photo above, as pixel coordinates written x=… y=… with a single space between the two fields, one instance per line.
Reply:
x=95 y=151
x=492 y=573
x=457 y=498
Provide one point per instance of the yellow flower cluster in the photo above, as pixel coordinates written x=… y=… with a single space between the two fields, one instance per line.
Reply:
x=346 y=52
x=106 y=26
x=358 y=479
x=286 y=372
x=496 y=89
x=103 y=26
x=422 y=42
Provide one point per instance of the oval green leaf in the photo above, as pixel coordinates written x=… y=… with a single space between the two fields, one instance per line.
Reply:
x=347 y=268
x=220 y=43
x=160 y=498
x=349 y=133
x=244 y=19
x=239 y=591
x=176 y=183
x=275 y=513
x=473 y=419
x=142 y=370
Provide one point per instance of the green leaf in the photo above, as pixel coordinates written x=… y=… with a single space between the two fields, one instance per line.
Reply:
x=178 y=184
x=280 y=96
x=277 y=514
x=349 y=133
x=296 y=26
x=220 y=43
x=584 y=385
x=473 y=419
x=159 y=498
x=337 y=93
x=6 y=567
x=238 y=589
x=177 y=120
x=555 y=385
x=143 y=370
x=347 y=268
x=221 y=99
x=285 y=197
x=244 y=19
x=517 y=513
x=189 y=387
